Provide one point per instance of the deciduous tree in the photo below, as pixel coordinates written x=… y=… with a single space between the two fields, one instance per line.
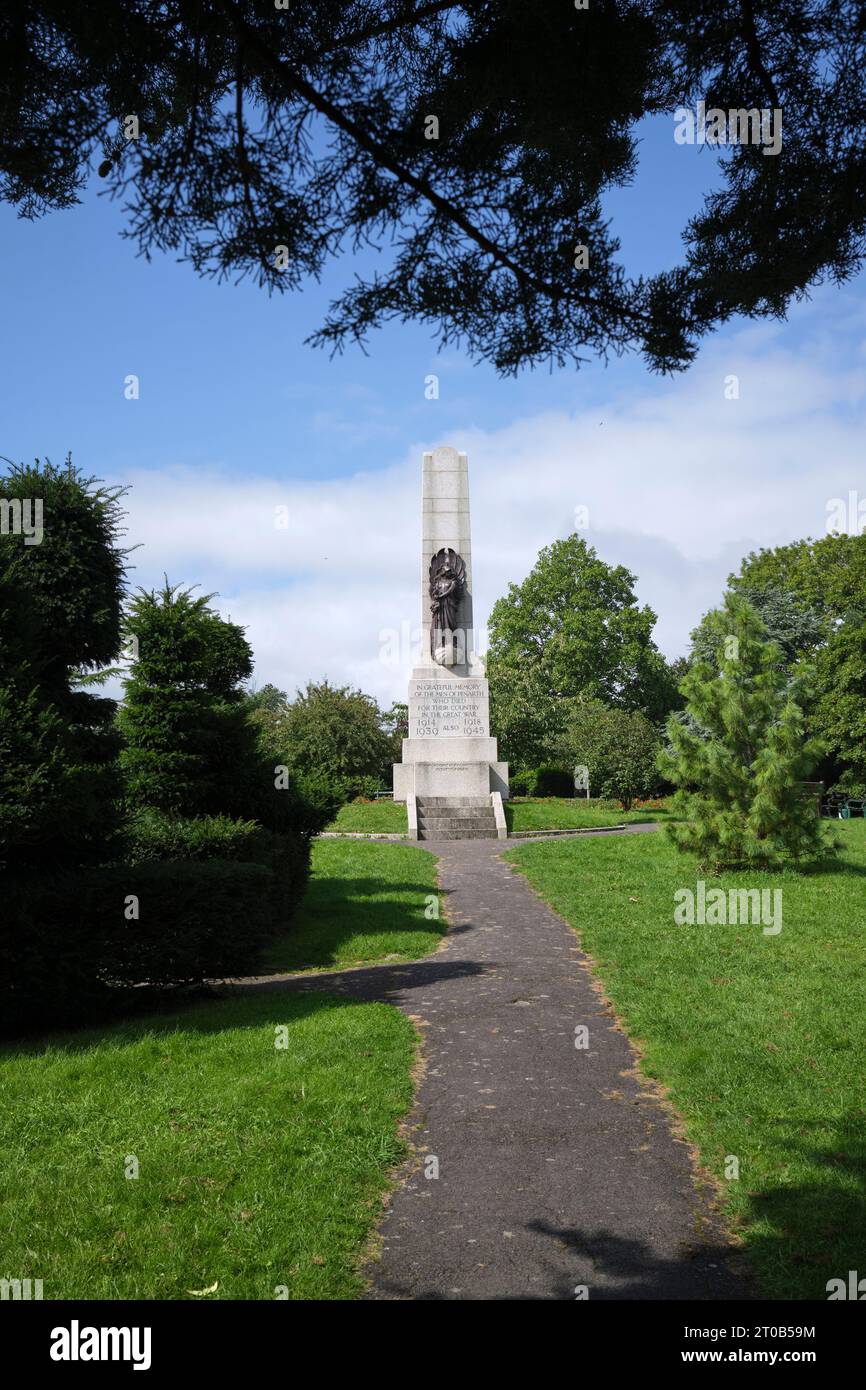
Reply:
x=572 y=630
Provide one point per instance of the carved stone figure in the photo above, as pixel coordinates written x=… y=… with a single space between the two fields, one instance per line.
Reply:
x=447 y=582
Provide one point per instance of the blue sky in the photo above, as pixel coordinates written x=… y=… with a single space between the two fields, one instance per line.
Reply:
x=223 y=368
x=236 y=416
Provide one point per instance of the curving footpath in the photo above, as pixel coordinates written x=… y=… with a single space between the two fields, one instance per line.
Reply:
x=559 y=1176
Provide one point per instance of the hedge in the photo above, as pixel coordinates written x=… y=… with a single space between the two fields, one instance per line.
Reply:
x=153 y=835
x=73 y=946
x=195 y=920
x=50 y=966
x=547 y=780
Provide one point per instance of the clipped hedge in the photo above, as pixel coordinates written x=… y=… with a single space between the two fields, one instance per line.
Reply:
x=51 y=963
x=153 y=835
x=195 y=920
x=193 y=899
x=546 y=780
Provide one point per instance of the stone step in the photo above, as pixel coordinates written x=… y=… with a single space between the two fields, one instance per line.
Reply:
x=455 y=818
x=464 y=833
x=435 y=824
x=434 y=801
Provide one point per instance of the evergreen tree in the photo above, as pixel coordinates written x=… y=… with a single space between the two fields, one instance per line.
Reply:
x=61 y=592
x=188 y=737
x=811 y=594
x=742 y=754
x=797 y=627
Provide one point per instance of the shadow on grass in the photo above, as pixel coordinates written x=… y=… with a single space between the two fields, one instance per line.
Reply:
x=840 y=865
x=817 y=1229
x=206 y=1011
x=385 y=982
x=249 y=1003
x=386 y=915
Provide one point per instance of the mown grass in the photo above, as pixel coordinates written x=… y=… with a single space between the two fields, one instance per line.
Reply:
x=384 y=817
x=525 y=813
x=260 y=1169
x=760 y=1040
x=367 y=901
x=566 y=813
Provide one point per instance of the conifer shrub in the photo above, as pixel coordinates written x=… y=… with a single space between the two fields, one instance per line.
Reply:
x=739 y=753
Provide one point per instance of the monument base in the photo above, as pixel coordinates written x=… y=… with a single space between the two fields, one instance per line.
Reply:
x=449 y=752
x=449 y=779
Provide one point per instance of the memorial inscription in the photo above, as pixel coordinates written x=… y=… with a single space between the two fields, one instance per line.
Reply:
x=448 y=709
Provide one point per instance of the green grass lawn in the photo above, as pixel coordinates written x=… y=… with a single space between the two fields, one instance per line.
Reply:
x=567 y=813
x=259 y=1168
x=366 y=902
x=386 y=817
x=526 y=813
x=759 y=1039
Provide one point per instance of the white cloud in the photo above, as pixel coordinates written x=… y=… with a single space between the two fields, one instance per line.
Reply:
x=680 y=483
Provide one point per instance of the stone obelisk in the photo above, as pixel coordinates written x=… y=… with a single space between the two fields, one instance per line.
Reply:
x=449 y=755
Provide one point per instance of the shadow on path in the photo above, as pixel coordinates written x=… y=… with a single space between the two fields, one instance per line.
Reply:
x=554 y=1168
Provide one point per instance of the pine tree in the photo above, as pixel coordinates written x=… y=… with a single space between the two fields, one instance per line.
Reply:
x=741 y=753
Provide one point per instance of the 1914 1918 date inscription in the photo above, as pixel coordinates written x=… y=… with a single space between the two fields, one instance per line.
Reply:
x=448 y=709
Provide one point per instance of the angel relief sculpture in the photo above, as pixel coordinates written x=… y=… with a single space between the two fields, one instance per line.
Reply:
x=447 y=582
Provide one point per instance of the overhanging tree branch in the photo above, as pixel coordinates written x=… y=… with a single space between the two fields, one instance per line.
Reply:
x=753 y=47
x=301 y=87
x=390 y=26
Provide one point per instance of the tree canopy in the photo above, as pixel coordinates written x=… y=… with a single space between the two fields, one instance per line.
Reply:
x=473 y=142
x=188 y=737
x=577 y=618
x=339 y=734
x=618 y=749
x=811 y=595
x=827 y=575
